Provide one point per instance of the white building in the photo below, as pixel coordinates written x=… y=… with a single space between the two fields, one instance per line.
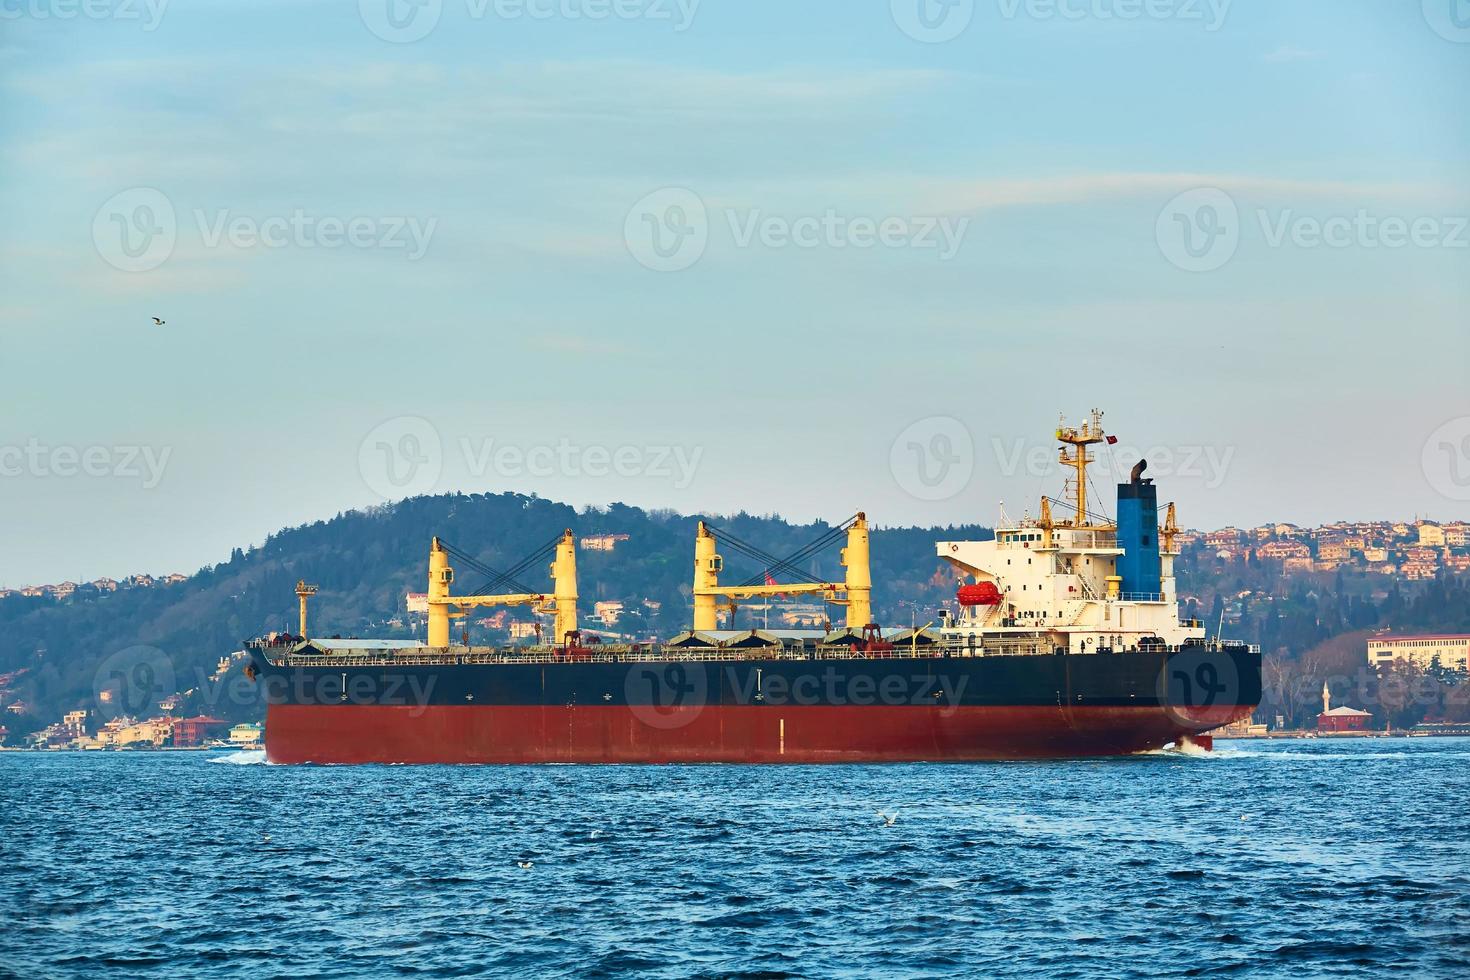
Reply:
x=1451 y=649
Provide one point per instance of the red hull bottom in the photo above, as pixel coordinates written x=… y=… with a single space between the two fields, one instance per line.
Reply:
x=619 y=734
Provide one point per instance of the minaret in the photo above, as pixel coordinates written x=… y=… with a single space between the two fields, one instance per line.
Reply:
x=1326 y=698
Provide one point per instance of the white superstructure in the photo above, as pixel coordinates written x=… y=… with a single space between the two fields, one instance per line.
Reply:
x=1044 y=586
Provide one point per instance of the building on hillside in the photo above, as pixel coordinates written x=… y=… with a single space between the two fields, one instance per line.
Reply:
x=1420 y=571
x=1334 y=551
x=525 y=631
x=1281 y=550
x=105 y=585
x=154 y=731
x=74 y=723
x=1457 y=535
x=416 y=602
x=1452 y=650
x=192 y=732
x=1458 y=563
x=1297 y=564
x=601 y=542
x=249 y=733
x=810 y=614
x=608 y=612
x=1224 y=538
x=1373 y=555
x=1431 y=535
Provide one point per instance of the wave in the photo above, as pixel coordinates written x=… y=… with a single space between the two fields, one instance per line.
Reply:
x=1329 y=756
x=254 y=757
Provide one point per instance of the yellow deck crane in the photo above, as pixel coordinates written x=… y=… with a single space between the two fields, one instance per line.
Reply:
x=857 y=587
x=561 y=601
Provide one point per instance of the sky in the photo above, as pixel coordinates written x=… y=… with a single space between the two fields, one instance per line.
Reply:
x=797 y=258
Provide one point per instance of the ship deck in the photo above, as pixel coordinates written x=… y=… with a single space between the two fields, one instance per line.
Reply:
x=307 y=656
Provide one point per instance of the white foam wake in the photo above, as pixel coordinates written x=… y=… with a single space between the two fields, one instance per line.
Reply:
x=251 y=758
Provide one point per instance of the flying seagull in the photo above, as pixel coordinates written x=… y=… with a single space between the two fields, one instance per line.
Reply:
x=524 y=865
x=157 y=322
x=887 y=820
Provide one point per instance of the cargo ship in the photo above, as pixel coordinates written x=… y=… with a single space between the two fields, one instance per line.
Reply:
x=1063 y=640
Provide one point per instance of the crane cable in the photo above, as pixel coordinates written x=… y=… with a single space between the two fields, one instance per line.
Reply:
x=770 y=562
x=509 y=577
x=823 y=541
x=786 y=565
x=496 y=577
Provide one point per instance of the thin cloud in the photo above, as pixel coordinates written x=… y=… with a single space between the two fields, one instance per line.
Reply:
x=986 y=194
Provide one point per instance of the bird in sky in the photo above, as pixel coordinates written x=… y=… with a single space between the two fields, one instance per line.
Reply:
x=157 y=322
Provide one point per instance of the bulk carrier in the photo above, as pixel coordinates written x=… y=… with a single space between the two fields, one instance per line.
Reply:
x=1064 y=640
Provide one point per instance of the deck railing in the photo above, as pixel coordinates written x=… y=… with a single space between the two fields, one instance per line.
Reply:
x=423 y=657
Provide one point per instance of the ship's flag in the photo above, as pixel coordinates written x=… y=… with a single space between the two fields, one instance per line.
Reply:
x=1112 y=440
x=770 y=580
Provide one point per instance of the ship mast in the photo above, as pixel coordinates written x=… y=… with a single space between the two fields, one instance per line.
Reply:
x=303 y=593
x=1079 y=439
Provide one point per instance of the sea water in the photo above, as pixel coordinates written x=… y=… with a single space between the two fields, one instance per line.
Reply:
x=1264 y=858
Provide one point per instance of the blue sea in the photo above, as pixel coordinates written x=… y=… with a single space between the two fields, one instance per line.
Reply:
x=1282 y=858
